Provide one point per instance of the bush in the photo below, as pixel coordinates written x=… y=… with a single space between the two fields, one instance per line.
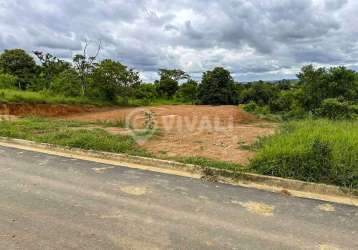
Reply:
x=8 y=81
x=262 y=93
x=312 y=150
x=188 y=91
x=284 y=101
x=337 y=109
x=146 y=91
x=252 y=107
x=67 y=83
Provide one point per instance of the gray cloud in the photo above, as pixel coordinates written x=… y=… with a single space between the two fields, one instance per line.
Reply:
x=254 y=39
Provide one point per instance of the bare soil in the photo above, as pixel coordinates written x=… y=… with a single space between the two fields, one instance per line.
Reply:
x=215 y=132
x=49 y=110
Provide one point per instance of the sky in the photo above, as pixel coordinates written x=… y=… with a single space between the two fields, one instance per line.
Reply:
x=254 y=39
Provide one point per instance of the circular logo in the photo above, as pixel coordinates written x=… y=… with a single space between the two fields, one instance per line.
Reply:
x=141 y=122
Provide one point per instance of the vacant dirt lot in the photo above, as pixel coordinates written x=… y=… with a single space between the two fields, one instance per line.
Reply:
x=218 y=132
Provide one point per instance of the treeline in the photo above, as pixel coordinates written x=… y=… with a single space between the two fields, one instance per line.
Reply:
x=331 y=93
x=318 y=92
x=109 y=80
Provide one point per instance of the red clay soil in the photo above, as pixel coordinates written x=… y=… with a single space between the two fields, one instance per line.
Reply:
x=216 y=132
x=49 y=110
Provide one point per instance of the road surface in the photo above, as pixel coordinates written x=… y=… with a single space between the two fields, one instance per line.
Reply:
x=50 y=202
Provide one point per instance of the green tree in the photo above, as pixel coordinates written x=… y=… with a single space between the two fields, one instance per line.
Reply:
x=217 y=87
x=84 y=68
x=168 y=84
x=146 y=91
x=114 y=79
x=67 y=83
x=18 y=63
x=51 y=66
x=167 y=87
x=320 y=84
x=188 y=91
x=173 y=74
x=262 y=93
x=85 y=65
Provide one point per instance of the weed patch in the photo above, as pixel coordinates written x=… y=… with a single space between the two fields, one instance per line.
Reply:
x=69 y=134
x=312 y=150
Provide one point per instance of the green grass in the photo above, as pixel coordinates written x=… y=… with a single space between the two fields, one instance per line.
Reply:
x=12 y=95
x=205 y=162
x=155 y=102
x=312 y=150
x=70 y=134
x=160 y=101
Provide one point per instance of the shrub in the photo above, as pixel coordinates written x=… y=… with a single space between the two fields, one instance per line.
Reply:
x=337 y=109
x=252 y=107
x=284 y=102
x=188 y=91
x=145 y=91
x=67 y=83
x=8 y=81
x=262 y=93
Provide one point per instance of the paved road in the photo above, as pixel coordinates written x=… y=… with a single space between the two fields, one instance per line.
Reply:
x=49 y=202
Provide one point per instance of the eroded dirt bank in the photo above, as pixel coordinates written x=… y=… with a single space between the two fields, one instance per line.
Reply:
x=48 y=110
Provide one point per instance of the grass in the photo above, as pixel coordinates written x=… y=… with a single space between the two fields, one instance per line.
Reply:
x=70 y=134
x=312 y=150
x=155 y=102
x=161 y=101
x=12 y=95
x=119 y=123
x=205 y=162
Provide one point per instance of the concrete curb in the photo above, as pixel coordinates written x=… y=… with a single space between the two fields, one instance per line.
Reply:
x=275 y=184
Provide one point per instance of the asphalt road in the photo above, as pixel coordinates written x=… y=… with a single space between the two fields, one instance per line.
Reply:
x=50 y=202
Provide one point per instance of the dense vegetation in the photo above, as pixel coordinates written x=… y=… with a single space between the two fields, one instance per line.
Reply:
x=312 y=150
x=88 y=80
x=330 y=93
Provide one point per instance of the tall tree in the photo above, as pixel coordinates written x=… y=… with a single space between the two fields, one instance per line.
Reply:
x=173 y=74
x=18 y=63
x=217 y=87
x=84 y=65
x=168 y=84
x=113 y=78
x=51 y=66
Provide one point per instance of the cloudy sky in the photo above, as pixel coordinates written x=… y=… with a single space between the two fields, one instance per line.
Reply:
x=254 y=39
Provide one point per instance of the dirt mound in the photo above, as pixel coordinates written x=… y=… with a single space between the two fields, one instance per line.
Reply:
x=49 y=110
